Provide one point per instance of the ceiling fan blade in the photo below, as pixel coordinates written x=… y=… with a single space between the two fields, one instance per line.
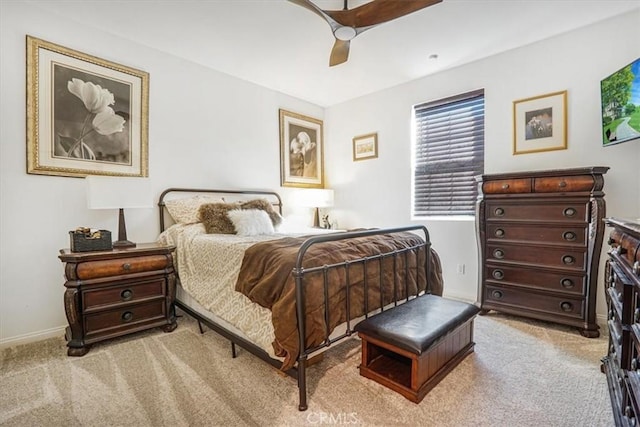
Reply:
x=377 y=11
x=340 y=52
x=309 y=5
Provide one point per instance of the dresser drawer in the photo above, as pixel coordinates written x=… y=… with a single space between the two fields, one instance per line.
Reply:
x=627 y=249
x=536 y=279
x=532 y=301
x=119 y=266
x=565 y=212
x=130 y=317
x=124 y=293
x=563 y=184
x=537 y=256
x=507 y=186
x=569 y=234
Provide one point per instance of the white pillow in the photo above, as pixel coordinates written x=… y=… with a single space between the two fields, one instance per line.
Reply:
x=185 y=210
x=251 y=222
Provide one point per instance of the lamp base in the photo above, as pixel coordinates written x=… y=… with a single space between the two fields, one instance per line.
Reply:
x=123 y=244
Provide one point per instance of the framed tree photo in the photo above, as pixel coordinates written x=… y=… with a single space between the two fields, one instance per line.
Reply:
x=540 y=123
x=301 y=151
x=85 y=115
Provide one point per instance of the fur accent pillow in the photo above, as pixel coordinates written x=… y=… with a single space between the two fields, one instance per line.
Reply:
x=215 y=219
x=185 y=210
x=264 y=205
x=251 y=222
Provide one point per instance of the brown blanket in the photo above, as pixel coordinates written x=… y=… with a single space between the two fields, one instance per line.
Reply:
x=266 y=278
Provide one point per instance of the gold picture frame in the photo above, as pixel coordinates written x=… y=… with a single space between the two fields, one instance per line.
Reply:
x=365 y=147
x=85 y=115
x=540 y=123
x=301 y=151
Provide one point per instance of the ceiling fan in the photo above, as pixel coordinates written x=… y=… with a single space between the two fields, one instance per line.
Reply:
x=346 y=24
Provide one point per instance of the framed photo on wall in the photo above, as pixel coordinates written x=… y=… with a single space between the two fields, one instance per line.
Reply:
x=540 y=123
x=85 y=115
x=365 y=147
x=301 y=151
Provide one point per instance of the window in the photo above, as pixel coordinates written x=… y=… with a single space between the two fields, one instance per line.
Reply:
x=449 y=153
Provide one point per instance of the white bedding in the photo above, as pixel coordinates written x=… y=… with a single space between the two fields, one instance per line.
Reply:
x=208 y=266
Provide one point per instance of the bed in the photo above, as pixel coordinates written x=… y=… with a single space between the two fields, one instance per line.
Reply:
x=286 y=294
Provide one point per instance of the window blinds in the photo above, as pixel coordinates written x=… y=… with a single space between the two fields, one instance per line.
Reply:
x=449 y=139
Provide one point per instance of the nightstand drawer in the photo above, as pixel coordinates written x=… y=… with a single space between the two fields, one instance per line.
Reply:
x=563 y=184
x=573 y=235
x=94 y=299
x=537 y=279
x=565 y=212
x=130 y=317
x=120 y=266
x=543 y=303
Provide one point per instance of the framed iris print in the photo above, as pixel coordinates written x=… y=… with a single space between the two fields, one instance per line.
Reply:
x=540 y=123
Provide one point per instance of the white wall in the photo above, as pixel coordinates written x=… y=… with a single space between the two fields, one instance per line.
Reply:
x=377 y=192
x=205 y=129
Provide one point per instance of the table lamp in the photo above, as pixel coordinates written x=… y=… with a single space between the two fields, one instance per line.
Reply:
x=315 y=198
x=115 y=192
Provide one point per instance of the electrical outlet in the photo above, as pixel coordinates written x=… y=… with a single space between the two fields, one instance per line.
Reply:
x=460 y=268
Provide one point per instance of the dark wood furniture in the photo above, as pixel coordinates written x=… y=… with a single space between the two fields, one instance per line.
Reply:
x=117 y=292
x=622 y=290
x=539 y=236
x=412 y=347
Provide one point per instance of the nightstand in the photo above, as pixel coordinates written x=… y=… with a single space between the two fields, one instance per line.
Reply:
x=117 y=292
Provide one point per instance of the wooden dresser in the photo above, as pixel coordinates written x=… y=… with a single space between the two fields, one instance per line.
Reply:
x=539 y=236
x=117 y=292
x=622 y=290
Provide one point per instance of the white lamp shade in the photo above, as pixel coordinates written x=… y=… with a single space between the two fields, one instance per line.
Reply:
x=115 y=192
x=314 y=198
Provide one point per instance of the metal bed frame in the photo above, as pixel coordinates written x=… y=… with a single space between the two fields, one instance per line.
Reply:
x=299 y=271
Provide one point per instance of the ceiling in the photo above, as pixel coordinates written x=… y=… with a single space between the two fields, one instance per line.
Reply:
x=285 y=47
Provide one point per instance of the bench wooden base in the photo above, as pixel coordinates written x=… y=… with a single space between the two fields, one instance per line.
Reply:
x=413 y=375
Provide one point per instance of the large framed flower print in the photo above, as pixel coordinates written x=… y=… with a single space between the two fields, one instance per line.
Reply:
x=301 y=151
x=85 y=115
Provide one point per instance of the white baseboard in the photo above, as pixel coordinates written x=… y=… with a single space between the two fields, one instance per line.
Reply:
x=32 y=337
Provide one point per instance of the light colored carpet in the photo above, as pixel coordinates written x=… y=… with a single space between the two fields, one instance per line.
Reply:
x=523 y=373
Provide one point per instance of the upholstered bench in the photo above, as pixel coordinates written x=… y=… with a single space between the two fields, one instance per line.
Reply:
x=412 y=347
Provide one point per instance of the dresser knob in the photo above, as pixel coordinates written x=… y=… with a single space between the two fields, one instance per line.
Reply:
x=505 y=186
x=498 y=274
x=636 y=268
x=569 y=236
x=127 y=316
x=562 y=184
x=634 y=364
x=126 y=294
x=636 y=315
x=566 y=306
x=566 y=283
x=498 y=253
x=568 y=259
x=496 y=294
x=499 y=232
x=126 y=266
x=569 y=212
x=498 y=211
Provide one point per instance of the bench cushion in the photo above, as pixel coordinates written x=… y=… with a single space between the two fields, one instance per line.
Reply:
x=419 y=323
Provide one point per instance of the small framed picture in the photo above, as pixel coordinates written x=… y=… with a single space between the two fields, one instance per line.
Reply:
x=365 y=147
x=540 y=123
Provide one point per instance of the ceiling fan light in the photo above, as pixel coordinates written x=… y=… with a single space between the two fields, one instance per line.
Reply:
x=345 y=33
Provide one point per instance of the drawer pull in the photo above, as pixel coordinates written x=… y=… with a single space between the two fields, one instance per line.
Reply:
x=126 y=266
x=496 y=294
x=566 y=306
x=498 y=253
x=498 y=211
x=569 y=212
x=562 y=184
x=636 y=315
x=568 y=260
x=126 y=294
x=505 y=186
x=127 y=316
x=498 y=274
x=567 y=283
x=636 y=268
x=569 y=236
x=499 y=232
x=634 y=363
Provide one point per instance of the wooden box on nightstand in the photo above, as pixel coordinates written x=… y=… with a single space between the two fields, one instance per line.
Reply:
x=117 y=292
